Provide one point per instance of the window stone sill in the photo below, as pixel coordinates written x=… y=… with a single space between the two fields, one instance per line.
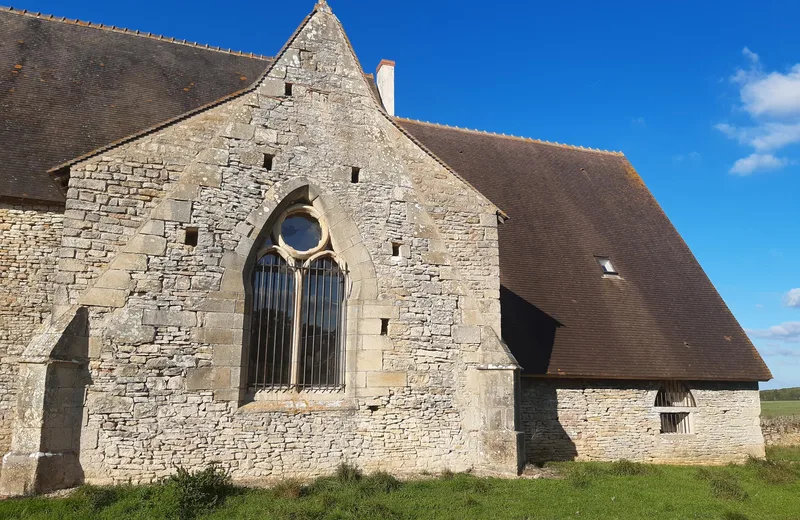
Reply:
x=293 y=403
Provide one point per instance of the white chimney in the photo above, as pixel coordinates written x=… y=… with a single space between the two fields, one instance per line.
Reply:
x=385 y=80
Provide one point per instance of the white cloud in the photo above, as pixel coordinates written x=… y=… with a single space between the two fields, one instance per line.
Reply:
x=693 y=157
x=638 y=121
x=750 y=55
x=789 y=331
x=772 y=101
x=781 y=352
x=773 y=94
x=793 y=298
x=757 y=162
x=764 y=137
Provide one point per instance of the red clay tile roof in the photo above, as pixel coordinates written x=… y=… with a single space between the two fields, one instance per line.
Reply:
x=661 y=319
x=69 y=87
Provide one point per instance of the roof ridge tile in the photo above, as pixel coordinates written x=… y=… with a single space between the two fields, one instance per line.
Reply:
x=132 y=32
x=515 y=137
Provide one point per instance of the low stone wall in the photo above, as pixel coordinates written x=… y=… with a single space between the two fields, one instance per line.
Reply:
x=29 y=238
x=781 y=431
x=604 y=420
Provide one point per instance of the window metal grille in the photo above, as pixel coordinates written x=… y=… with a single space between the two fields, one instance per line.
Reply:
x=674 y=393
x=272 y=324
x=320 y=324
x=675 y=423
x=297 y=336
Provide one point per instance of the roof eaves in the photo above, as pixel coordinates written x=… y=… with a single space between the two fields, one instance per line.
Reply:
x=122 y=30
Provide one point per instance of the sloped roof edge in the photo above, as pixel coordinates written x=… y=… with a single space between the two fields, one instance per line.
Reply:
x=132 y=32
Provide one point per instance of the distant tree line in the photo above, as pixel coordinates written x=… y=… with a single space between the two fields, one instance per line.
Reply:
x=784 y=394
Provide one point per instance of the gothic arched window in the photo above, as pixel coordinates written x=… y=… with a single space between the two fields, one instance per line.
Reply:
x=298 y=294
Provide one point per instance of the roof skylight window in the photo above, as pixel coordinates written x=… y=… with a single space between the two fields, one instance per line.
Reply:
x=606 y=265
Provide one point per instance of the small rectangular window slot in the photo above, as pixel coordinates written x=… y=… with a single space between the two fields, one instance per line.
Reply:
x=396 y=249
x=675 y=423
x=268 y=161
x=192 y=234
x=287 y=89
x=384 y=326
x=354 y=175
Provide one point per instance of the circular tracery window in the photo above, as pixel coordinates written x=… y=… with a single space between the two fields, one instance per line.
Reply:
x=301 y=231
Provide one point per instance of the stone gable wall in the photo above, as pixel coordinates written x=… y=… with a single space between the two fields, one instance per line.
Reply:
x=167 y=322
x=605 y=420
x=29 y=239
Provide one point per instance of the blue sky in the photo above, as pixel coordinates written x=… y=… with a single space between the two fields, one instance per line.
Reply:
x=704 y=101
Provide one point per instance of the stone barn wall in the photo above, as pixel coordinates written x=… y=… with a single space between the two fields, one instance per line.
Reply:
x=29 y=238
x=167 y=321
x=606 y=420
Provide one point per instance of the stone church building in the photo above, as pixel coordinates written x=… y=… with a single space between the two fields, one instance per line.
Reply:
x=207 y=256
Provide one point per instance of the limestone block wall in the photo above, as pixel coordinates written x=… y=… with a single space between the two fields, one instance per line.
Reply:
x=29 y=238
x=167 y=322
x=606 y=420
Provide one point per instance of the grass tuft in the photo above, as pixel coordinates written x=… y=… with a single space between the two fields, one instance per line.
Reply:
x=774 y=471
x=346 y=473
x=447 y=474
x=379 y=482
x=197 y=492
x=723 y=484
x=470 y=484
x=626 y=468
x=734 y=515
x=289 y=489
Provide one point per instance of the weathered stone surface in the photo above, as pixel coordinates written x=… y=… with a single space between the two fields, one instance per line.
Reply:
x=170 y=318
x=153 y=227
x=130 y=262
x=125 y=327
x=104 y=297
x=115 y=279
x=147 y=245
x=103 y=403
x=607 y=420
x=173 y=210
x=387 y=379
x=466 y=334
x=29 y=243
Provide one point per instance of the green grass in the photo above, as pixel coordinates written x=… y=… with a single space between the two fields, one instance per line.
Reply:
x=784 y=453
x=601 y=491
x=779 y=408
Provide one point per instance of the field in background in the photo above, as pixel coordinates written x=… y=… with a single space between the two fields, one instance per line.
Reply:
x=779 y=408
x=759 y=490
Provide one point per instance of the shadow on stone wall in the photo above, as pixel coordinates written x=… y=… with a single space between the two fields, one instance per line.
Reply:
x=546 y=439
x=529 y=332
x=68 y=376
x=45 y=448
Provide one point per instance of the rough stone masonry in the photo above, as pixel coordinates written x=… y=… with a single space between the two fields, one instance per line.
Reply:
x=145 y=349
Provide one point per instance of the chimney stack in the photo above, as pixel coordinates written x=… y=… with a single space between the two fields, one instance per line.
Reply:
x=385 y=81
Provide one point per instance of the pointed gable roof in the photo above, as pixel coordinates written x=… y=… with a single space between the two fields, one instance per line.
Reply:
x=69 y=87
